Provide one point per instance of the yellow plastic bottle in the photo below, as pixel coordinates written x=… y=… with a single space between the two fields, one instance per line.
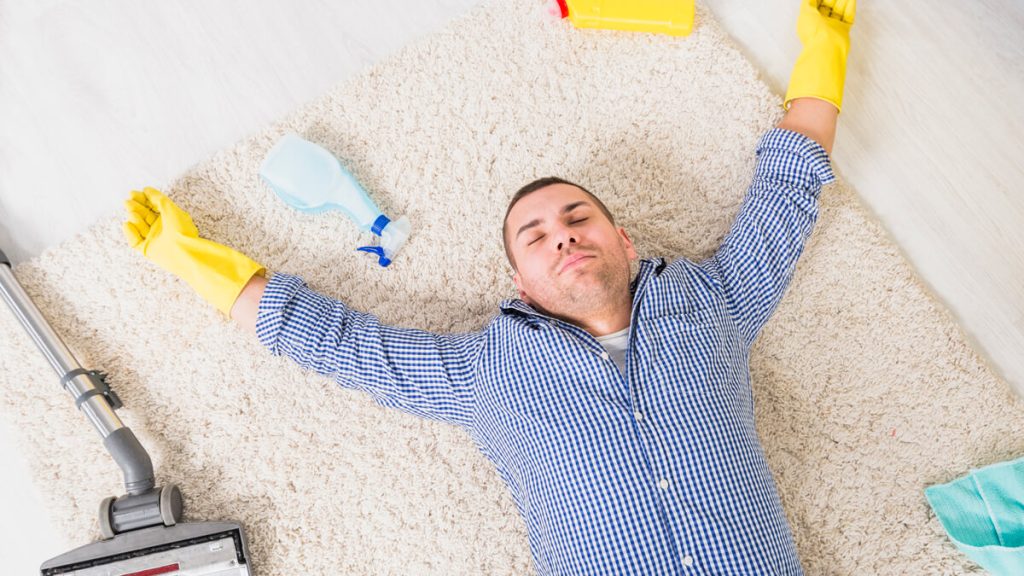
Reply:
x=674 y=17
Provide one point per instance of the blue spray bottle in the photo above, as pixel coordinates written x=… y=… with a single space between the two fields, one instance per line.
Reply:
x=310 y=179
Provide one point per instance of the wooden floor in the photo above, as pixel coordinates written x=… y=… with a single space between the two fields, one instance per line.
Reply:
x=100 y=98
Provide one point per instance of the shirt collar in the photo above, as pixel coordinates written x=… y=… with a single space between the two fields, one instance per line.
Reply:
x=648 y=266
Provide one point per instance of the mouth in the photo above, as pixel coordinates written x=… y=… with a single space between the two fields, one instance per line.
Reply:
x=573 y=260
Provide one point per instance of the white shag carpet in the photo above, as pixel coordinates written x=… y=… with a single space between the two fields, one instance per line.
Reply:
x=866 y=390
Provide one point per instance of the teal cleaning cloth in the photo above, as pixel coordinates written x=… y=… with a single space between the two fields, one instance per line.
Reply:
x=983 y=513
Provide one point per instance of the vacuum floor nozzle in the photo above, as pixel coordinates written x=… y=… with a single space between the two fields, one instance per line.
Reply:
x=192 y=549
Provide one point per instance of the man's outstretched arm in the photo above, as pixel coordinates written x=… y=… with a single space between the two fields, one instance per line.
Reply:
x=422 y=373
x=756 y=261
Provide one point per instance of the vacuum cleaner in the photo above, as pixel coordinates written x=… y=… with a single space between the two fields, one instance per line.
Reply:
x=142 y=532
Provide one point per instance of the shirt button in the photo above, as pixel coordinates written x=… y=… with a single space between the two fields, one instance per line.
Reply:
x=604 y=355
x=638 y=415
x=688 y=561
x=663 y=484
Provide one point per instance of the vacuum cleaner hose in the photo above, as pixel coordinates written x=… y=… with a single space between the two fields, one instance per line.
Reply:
x=133 y=460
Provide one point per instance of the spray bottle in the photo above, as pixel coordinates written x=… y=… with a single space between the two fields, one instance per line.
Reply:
x=310 y=179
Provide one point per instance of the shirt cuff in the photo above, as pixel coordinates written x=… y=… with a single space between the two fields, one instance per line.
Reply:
x=796 y=155
x=270 y=315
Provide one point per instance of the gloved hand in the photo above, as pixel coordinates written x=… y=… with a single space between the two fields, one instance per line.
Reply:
x=165 y=234
x=820 y=71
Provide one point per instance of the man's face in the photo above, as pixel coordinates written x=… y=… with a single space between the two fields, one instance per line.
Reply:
x=548 y=231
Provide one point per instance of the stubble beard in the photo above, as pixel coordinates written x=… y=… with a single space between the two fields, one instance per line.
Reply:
x=582 y=297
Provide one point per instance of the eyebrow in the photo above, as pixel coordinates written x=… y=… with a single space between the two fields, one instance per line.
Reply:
x=565 y=210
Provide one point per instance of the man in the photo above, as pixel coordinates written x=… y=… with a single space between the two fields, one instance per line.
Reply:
x=618 y=411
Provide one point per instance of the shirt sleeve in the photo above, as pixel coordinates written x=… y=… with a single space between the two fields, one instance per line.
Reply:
x=757 y=259
x=422 y=373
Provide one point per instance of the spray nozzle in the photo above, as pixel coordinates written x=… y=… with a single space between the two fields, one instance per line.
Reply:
x=382 y=259
x=393 y=235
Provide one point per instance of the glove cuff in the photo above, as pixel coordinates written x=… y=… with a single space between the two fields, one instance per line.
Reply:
x=820 y=70
x=819 y=74
x=215 y=272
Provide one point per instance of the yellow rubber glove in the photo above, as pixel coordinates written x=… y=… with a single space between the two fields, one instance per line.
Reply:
x=165 y=234
x=820 y=71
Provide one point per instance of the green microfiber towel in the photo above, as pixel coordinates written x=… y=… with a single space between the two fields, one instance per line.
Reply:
x=983 y=513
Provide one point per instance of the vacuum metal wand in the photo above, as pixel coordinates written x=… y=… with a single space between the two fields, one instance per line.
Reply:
x=89 y=388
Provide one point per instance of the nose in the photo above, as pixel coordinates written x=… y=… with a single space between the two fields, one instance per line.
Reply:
x=569 y=240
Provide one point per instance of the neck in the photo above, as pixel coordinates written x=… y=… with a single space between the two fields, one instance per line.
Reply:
x=603 y=322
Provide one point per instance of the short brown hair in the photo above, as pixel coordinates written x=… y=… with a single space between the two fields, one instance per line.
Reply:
x=533 y=187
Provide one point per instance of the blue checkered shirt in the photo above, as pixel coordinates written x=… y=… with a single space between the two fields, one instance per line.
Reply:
x=659 y=471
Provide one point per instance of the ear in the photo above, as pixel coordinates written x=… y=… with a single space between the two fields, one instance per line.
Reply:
x=519 y=286
x=628 y=243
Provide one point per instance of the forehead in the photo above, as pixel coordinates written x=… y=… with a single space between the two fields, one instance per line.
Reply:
x=545 y=201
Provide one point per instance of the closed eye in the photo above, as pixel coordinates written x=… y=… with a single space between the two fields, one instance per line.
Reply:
x=541 y=236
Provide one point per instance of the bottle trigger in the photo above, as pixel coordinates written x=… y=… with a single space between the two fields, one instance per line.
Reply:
x=379 y=251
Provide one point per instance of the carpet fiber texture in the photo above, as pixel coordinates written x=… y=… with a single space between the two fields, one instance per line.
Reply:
x=866 y=389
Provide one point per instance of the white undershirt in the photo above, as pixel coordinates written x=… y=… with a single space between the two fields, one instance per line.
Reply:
x=615 y=344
